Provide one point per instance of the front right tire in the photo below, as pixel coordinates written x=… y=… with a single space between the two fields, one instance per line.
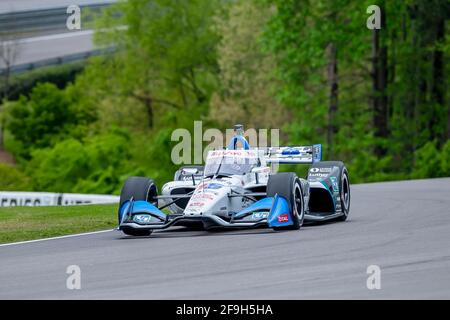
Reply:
x=288 y=186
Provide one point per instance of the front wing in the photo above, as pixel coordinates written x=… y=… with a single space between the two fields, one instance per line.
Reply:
x=270 y=212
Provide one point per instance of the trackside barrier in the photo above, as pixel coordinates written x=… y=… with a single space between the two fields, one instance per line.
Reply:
x=19 y=68
x=25 y=23
x=13 y=198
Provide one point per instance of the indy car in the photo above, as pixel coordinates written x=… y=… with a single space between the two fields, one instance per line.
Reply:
x=239 y=188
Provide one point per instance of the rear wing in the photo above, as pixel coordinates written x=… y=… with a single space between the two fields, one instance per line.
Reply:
x=295 y=155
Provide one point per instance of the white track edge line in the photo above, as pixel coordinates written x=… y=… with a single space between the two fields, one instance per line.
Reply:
x=56 y=238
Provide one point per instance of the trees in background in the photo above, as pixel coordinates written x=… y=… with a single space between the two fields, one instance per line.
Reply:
x=8 y=54
x=379 y=75
x=161 y=77
x=247 y=92
x=167 y=54
x=374 y=97
x=91 y=165
x=9 y=50
x=46 y=117
x=377 y=99
x=324 y=74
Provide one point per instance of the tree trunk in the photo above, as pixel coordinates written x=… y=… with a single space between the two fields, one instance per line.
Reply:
x=149 y=108
x=448 y=124
x=333 y=97
x=147 y=100
x=5 y=96
x=379 y=86
x=437 y=88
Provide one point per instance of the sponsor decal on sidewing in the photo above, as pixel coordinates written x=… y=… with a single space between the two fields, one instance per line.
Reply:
x=283 y=218
x=259 y=215
x=322 y=170
x=319 y=175
x=334 y=184
x=142 y=218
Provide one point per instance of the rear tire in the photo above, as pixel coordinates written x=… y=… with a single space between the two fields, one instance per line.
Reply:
x=288 y=186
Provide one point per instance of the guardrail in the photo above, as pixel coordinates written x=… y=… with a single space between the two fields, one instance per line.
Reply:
x=30 y=199
x=58 y=60
x=19 y=24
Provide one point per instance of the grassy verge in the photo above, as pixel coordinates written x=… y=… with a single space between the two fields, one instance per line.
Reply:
x=28 y=223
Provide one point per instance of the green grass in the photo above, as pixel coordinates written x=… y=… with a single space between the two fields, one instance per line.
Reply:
x=28 y=223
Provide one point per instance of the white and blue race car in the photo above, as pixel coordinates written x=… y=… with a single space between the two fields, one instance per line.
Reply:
x=238 y=188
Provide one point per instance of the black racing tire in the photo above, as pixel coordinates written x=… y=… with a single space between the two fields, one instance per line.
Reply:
x=344 y=184
x=140 y=189
x=288 y=186
x=137 y=232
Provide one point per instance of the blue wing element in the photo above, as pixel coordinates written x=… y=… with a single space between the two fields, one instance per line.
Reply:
x=280 y=214
x=133 y=207
x=278 y=207
x=263 y=204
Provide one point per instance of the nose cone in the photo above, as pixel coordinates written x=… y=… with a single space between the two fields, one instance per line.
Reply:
x=208 y=197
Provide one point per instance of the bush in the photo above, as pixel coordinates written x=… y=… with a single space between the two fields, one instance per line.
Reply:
x=432 y=162
x=93 y=165
x=11 y=179
x=445 y=160
x=61 y=76
x=49 y=115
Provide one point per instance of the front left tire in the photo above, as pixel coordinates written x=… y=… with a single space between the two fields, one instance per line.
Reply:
x=138 y=189
x=137 y=232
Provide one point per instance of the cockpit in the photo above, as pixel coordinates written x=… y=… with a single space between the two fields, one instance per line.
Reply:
x=230 y=162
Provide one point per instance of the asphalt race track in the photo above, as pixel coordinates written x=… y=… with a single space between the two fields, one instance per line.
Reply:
x=403 y=227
